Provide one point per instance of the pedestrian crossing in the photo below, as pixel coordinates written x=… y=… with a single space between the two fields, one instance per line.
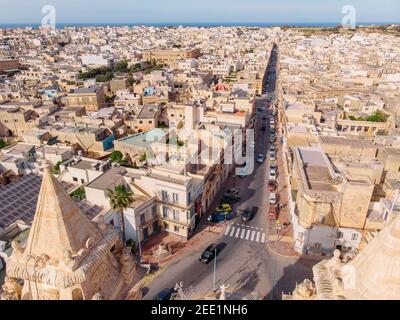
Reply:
x=241 y=231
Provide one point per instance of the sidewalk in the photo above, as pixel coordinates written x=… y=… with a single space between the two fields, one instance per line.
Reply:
x=203 y=235
x=281 y=240
x=178 y=246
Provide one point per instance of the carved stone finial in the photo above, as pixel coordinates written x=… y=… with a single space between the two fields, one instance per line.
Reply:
x=97 y=296
x=11 y=289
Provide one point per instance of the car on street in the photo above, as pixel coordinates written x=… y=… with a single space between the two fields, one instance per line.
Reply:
x=273 y=212
x=272 y=148
x=230 y=198
x=221 y=216
x=260 y=158
x=271 y=185
x=248 y=214
x=224 y=208
x=272 y=198
x=264 y=117
x=263 y=128
x=231 y=192
x=164 y=294
x=208 y=254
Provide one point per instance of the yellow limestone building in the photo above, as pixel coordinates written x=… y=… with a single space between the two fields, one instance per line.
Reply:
x=67 y=257
x=374 y=274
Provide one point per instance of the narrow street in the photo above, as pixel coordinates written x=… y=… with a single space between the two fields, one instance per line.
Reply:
x=245 y=263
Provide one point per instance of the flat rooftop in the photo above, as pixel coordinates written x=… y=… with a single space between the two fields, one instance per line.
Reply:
x=88 y=90
x=108 y=179
x=316 y=169
x=144 y=139
x=148 y=112
x=347 y=142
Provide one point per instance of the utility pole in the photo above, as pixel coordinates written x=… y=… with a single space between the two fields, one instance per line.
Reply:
x=215 y=268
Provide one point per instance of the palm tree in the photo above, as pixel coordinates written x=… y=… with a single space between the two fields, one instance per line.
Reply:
x=120 y=198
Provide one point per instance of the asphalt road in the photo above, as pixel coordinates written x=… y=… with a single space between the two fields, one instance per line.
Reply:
x=245 y=263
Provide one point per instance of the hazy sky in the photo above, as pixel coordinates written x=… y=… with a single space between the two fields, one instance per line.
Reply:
x=133 y=11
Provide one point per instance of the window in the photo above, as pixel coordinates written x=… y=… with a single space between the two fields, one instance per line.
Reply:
x=190 y=196
x=354 y=236
x=176 y=228
x=75 y=179
x=82 y=180
x=175 y=197
x=142 y=219
x=339 y=235
x=165 y=212
x=164 y=195
x=154 y=211
x=150 y=121
x=176 y=214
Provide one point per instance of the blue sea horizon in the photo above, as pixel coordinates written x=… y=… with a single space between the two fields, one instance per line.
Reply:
x=190 y=24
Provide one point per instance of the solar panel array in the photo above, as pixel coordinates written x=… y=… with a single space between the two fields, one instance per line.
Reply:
x=18 y=201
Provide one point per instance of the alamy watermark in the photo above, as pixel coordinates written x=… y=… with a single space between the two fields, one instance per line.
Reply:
x=49 y=18
x=349 y=18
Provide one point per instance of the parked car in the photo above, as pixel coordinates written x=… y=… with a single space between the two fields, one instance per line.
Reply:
x=230 y=198
x=252 y=145
x=272 y=156
x=271 y=185
x=164 y=294
x=221 y=216
x=248 y=214
x=272 y=198
x=260 y=158
x=208 y=254
x=224 y=207
x=272 y=175
x=273 y=212
x=272 y=148
x=232 y=192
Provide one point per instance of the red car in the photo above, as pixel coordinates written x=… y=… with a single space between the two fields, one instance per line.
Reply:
x=273 y=212
x=271 y=185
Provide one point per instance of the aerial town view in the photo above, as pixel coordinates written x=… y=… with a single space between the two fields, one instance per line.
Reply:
x=146 y=158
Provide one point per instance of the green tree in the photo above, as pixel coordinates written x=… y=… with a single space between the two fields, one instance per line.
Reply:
x=79 y=194
x=56 y=168
x=116 y=156
x=135 y=68
x=121 y=66
x=120 y=198
x=378 y=116
x=143 y=157
x=131 y=244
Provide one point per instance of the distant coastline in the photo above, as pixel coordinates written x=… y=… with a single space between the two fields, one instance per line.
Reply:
x=196 y=24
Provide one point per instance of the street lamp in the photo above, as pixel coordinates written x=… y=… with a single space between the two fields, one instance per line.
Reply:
x=209 y=223
x=140 y=247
